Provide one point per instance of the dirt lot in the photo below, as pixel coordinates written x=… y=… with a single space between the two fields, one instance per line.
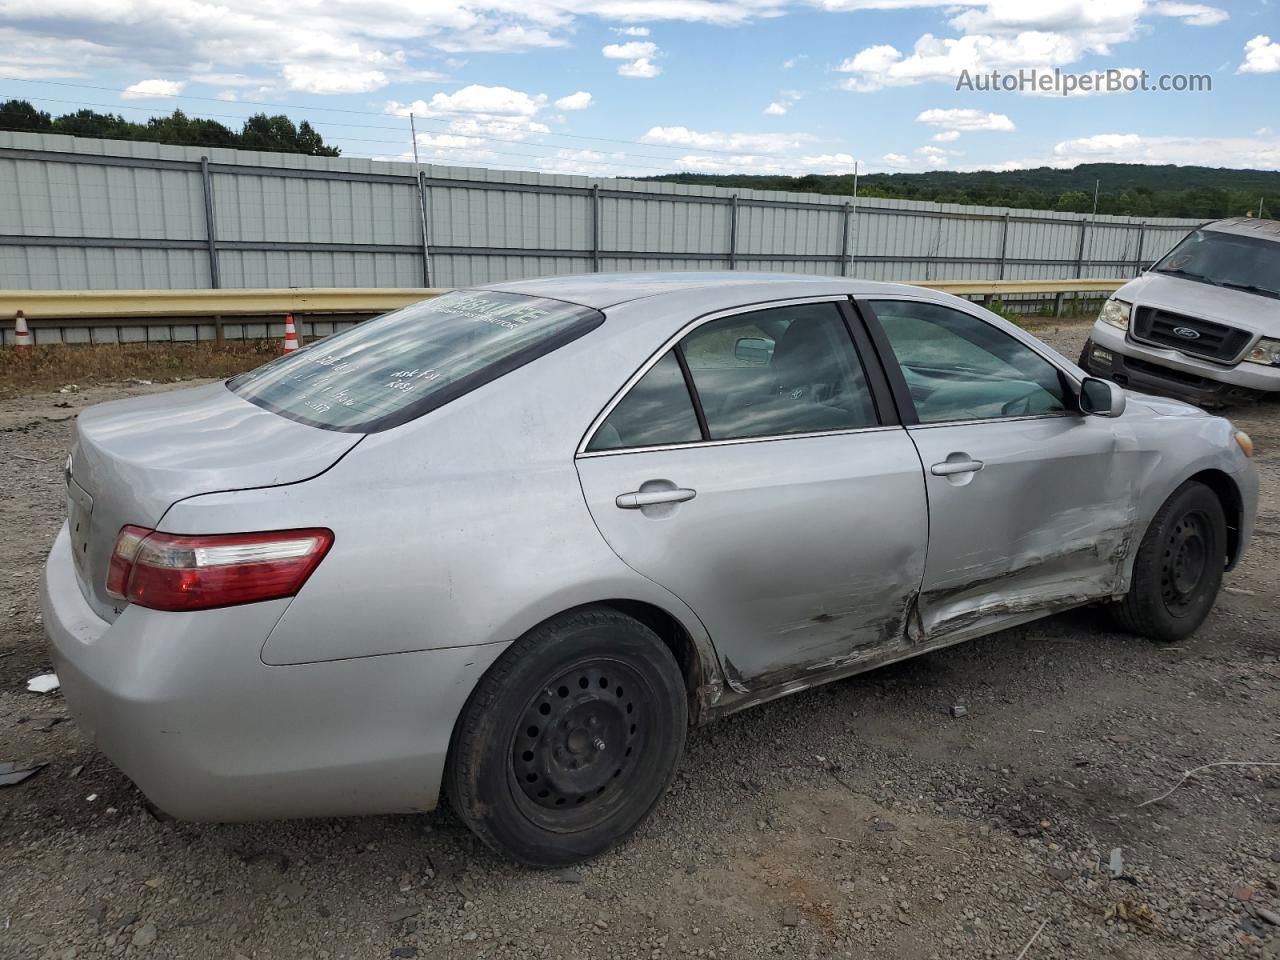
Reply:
x=858 y=820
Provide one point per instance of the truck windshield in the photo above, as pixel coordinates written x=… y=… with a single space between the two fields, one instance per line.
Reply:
x=399 y=366
x=1226 y=260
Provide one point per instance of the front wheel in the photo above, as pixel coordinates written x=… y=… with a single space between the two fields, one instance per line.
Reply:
x=570 y=740
x=1178 y=569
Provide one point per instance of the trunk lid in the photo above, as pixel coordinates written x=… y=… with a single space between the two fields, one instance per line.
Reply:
x=132 y=459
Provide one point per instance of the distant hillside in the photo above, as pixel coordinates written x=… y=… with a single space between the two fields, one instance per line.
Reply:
x=1127 y=189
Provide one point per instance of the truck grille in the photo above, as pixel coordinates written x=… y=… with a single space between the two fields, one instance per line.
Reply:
x=1193 y=336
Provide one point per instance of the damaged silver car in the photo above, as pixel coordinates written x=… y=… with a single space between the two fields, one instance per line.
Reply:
x=507 y=545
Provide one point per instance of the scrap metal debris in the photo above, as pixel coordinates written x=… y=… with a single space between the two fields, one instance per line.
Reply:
x=1116 y=867
x=1221 y=763
x=14 y=772
x=43 y=683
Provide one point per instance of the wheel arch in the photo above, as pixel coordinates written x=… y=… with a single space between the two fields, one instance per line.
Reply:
x=1228 y=494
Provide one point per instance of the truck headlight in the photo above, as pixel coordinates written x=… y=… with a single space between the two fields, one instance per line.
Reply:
x=1116 y=313
x=1267 y=351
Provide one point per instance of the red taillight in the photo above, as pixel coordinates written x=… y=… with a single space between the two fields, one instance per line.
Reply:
x=170 y=571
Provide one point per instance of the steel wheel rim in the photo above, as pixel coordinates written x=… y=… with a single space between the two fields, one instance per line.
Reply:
x=1185 y=562
x=578 y=747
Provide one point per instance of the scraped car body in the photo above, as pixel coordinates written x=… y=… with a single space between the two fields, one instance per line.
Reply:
x=803 y=555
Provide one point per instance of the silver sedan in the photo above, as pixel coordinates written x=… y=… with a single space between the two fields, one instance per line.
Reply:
x=510 y=543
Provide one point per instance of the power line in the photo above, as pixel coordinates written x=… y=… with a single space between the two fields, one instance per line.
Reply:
x=461 y=151
x=366 y=113
x=327 y=124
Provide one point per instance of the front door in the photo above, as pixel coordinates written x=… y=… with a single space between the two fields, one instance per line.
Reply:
x=1031 y=507
x=749 y=472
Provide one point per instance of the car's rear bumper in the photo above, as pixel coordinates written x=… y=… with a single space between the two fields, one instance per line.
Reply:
x=1156 y=370
x=184 y=705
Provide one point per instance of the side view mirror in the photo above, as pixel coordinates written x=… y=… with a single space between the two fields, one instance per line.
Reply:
x=1101 y=398
x=753 y=350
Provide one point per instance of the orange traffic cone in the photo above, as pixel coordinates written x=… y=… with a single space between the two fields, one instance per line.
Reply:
x=290 y=335
x=21 y=336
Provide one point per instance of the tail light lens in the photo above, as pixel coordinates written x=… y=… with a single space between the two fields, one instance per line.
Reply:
x=179 y=572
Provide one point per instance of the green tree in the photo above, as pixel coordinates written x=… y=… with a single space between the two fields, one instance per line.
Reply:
x=20 y=115
x=280 y=135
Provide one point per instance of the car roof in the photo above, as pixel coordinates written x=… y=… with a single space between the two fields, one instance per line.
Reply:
x=601 y=290
x=1247 y=227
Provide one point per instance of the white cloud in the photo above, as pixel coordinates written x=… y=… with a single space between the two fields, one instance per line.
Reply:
x=1261 y=55
x=895 y=160
x=575 y=101
x=786 y=99
x=632 y=50
x=946 y=136
x=966 y=120
x=1259 y=152
x=1008 y=35
x=943 y=59
x=229 y=95
x=329 y=80
x=639 y=55
x=643 y=69
x=145 y=89
x=792 y=61
x=53 y=58
x=479 y=111
x=1192 y=14
x=935 y=156
x=475 y=98
x=631 y=31
x=769 y=143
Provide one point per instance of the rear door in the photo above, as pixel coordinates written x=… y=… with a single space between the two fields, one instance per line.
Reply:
x=1031 y=505
x=749 y=469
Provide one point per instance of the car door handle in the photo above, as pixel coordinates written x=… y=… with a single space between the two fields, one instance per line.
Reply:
x=950 y=468
x=647 y=498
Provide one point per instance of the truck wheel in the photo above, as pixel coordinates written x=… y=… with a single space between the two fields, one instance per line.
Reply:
x=570 y=739
x=1179 y=567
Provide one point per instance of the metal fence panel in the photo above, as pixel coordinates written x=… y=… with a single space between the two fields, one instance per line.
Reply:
x=79 y=213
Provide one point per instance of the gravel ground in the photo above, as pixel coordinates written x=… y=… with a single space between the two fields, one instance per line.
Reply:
x=859 y=819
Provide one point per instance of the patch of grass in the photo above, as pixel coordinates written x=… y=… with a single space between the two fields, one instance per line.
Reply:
x=56 y=365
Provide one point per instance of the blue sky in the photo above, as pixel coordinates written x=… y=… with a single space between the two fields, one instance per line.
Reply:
x=637 y=87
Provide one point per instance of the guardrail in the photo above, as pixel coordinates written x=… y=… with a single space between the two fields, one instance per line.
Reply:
x=250 y=313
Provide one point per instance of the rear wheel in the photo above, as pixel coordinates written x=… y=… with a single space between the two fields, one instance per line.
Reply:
x=568 y=743
x=1179 y=567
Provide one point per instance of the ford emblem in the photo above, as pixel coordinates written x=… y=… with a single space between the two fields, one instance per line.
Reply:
x=1187 y=333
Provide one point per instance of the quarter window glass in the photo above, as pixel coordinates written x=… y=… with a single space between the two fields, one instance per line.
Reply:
x=961 y=368
x=779 y=371
x=656 y=411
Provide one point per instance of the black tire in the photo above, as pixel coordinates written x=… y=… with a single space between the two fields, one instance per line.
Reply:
x=570 y=739
x=1179 y=567
x=1083 y=362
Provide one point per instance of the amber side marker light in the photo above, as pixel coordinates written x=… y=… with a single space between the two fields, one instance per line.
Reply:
x=1245 y=442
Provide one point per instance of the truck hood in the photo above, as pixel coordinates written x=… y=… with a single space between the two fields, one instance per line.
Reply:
x=1234 y=308
x=132 y=459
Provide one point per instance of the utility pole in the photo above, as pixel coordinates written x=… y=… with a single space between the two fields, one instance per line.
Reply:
x=1096 y=185
x=855 y=181
x=422 y=205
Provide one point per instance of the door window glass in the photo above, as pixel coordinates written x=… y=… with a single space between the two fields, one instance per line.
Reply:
x=959 y=367
x=656 y=411
x=779 y=371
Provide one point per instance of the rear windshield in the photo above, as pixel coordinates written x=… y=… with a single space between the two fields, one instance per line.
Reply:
x=1226 y=260
x=399 y=366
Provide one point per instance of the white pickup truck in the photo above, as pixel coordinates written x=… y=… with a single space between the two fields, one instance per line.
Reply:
x=1203 y=324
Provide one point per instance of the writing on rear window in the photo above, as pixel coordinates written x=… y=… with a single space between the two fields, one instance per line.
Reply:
x=401 y=365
